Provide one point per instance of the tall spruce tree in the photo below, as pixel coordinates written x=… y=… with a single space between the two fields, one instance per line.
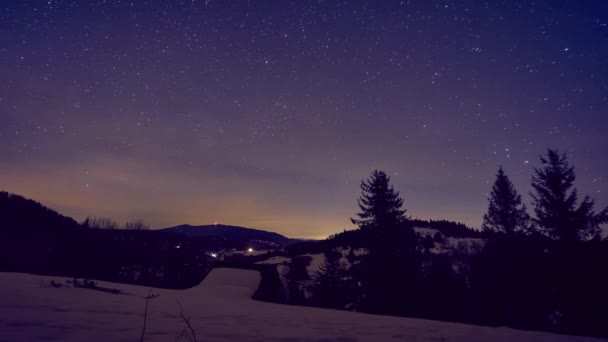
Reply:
x=380 y=204
x=387 y=275
x=555 y=202
x=506 y=213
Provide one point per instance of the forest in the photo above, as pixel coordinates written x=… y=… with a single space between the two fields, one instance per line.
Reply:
x=536 y=272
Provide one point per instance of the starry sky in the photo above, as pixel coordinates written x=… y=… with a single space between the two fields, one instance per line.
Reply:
x=268 y=113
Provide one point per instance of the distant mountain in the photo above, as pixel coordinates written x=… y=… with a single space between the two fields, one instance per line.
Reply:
x=228 y=232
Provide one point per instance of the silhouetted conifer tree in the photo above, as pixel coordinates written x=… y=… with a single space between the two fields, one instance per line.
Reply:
x=506 y=213
x=387 y=274
x=555 y=202
x=380 y=204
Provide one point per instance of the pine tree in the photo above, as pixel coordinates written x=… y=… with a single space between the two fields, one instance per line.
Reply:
x=380 y=204
x=386 y=276
x=506 y=213
x=555 y=202
x=330 y=286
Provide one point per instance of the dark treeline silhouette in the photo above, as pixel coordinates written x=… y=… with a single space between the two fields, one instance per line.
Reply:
x=447 y=228
x=542 y=273
x=94 y=222
x=359 y=239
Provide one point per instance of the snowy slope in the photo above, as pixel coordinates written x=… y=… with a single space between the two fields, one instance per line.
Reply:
x=220 y=309
x=426 y=231
x=317 y=260
x=275 y=260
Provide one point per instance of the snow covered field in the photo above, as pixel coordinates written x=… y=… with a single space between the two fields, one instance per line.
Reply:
x=220 y=309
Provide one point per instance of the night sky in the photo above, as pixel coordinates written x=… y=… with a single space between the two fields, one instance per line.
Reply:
x=268 y=114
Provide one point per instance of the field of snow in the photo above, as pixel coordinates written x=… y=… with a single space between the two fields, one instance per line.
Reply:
x=220 y=309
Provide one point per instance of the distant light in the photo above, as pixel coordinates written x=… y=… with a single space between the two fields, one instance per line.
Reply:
x=178 y=246
x=213 y=255
x=215 y=223
x=250 y=250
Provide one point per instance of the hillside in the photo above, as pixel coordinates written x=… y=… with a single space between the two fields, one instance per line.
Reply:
x=36 y=239
x=219 y=309
x=20 y=214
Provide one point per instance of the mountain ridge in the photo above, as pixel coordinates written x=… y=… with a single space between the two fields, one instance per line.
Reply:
x=226 y=231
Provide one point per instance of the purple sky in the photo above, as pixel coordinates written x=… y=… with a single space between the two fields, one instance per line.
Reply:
x=267 y=114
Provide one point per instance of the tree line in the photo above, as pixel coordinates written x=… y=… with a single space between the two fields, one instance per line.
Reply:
x=541 y=272
x=558 y=215
x=94 y=222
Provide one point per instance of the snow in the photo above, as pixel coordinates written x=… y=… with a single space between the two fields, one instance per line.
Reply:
x=426 y=231
x=470 y=245
x=275 y=260
x=357 y=251
x=315 y=264
x=220 y=309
